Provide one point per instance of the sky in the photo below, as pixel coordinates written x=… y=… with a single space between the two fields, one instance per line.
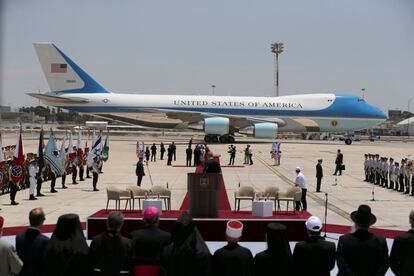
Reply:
x=185 y=47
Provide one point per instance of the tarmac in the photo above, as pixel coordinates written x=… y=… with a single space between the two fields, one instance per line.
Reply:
x=390 y=207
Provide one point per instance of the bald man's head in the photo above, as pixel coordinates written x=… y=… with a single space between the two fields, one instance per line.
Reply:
x=36 y=217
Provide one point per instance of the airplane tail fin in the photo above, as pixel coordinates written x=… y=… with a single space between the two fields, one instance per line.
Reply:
x=62 y=74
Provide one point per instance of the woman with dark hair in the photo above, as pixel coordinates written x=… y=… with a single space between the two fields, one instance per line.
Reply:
x=66 y=253
x=188 y=254
x=277 y=259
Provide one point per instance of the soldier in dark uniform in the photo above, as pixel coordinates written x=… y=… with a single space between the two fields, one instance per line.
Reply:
x=74 y=165
x=319 y=175
x=188 y=153
x=162 y=151
x=339 y=162
x=147 y=154
x=153 y=153
x=233 y=259
x=174 y=150
x=12 y=187
x=169 y=155
x=232 y=151
x=139 y=171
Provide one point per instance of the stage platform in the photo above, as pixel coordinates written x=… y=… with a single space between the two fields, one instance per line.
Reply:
x=212 y=229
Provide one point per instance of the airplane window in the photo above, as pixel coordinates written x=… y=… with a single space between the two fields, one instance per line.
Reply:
x=361 y=100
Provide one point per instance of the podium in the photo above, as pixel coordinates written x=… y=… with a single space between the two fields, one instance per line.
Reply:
x=203 y=189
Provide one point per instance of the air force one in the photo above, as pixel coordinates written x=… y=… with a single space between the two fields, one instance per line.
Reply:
x=73 y=89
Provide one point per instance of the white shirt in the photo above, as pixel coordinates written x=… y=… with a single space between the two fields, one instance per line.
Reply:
x=300 y=180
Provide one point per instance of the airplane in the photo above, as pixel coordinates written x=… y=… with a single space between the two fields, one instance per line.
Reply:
x=73 y=89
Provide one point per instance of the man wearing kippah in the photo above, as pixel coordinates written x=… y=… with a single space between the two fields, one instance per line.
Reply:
x=314 y=256
x=233 y=259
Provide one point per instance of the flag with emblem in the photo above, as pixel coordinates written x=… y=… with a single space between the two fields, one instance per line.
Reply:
x=95 y=151
x=2 y=163
x=16 y=170
x=105 y=151
x=58 y=68
x=140 y=149
x=52 y=156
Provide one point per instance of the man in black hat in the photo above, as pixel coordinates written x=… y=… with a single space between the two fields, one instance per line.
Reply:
x=361 y=252
x=319 y=175
x=402 y=253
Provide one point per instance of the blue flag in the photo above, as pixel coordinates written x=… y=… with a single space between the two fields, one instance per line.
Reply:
x=52 y=156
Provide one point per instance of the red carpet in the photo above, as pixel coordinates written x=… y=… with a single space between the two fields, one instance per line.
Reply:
x=224 y=203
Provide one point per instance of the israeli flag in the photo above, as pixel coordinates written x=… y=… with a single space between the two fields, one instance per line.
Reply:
x=96 y=151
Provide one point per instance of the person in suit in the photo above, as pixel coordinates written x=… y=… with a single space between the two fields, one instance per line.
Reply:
x=110 y=252
x=31 y=244
x=10 y=263
x=162 y=151
x=153 y=152
x=174 y=150
x=148 y=243
x=189 y=154
x=139 y=171
x=314 y=256
x=361 y=252
x=67 y=252
x=402 y=253
x=212 y=166
x=319 y=175
x=277 y=259
x=339 y=162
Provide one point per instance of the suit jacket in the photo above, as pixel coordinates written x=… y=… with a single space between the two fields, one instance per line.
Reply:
x=319 y=171
x=212 y=166
x=362 y=253
x=30 y=246
x=110 y=254
x=10 y=263
x=140 y=169
x=148 y=243
x=339 y=159
x=402 y=254
x=314 y=257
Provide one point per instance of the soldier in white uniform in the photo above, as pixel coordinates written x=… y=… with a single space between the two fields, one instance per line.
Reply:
x=33 y=171
x=385 y=172
x=395 y=175
x=407 y=176
x=390 y=172
x=402 y=176
x=366 y=168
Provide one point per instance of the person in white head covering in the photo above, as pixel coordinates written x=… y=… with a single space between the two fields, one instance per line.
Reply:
x=314 y=256
x=300 y=182
x=233 y=259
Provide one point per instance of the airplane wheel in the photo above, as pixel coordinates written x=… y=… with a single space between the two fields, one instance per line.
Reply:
x=207 y=139
x=231 y=139
x=214 y=139
x=348 y=141
x=223 y=139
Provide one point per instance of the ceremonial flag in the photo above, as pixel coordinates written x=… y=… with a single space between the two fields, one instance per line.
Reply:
x=140 y=149
x=62 y=153
x=79 y=138
x=70 y=148
x=40 y=159
x=16 y=171
x=52 y=156
x=95 y=152
x=105 y=151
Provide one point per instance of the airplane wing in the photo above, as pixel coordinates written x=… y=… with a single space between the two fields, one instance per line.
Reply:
x=54 y=98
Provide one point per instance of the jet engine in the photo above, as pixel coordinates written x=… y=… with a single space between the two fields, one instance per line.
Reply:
x=265 y=130
x=216 y=126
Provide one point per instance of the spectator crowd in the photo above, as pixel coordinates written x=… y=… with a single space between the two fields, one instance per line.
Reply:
x=152 y=251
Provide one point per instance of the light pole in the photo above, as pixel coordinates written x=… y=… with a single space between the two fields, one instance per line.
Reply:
x=212 y=87
x=277 y=48
x=408 y=121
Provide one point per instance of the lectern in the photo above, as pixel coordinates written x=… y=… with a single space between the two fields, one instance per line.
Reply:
x=203 y=189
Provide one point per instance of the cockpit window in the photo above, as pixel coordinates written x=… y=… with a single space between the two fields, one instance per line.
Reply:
x=361 y=100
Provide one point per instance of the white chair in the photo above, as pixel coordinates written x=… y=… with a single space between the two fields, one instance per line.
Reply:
x=162 y=193
x=137 y=193
x=243 y=193
x=113 y=193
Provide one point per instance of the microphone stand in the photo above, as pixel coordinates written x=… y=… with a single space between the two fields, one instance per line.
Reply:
x=326 y=213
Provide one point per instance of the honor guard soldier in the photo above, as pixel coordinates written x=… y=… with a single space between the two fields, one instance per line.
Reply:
x=33 y=174
x=319 y=175
x=189 y=154
x=402 y=176
x=372 y=168
x=396 y=175
x=407 y=177
x=162 y=151
x=74 y=165
x=139 y=171
x=153 y=153
x=390 y=172
x=95 y=172
x=366 y=168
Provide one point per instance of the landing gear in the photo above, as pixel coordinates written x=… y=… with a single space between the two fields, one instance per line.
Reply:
x=222 y=139
x=348 y=141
